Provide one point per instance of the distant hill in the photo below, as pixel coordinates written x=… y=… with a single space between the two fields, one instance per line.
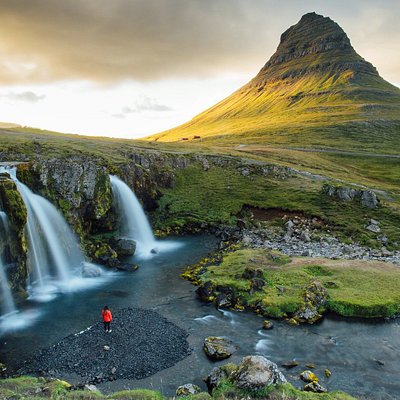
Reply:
x=7 y=125
x=315 y=91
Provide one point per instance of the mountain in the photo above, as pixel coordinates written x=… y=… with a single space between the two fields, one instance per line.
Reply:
x=314 y=91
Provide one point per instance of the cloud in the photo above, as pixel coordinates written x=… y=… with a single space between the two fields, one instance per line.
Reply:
x=146 y=40
x=144 y=104
x=28 y=97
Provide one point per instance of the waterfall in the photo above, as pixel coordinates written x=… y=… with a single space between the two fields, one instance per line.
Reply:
x=134 y=223
x=55 y=259
x=7 y=305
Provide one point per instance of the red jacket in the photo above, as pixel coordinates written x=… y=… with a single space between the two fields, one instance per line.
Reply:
x=107 y=316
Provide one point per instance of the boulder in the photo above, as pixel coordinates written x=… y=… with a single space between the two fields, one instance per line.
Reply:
x=257 y=372
x=267 y=325
x=125 y=247
x=187 y=390
x=127 y=267
x=315 y=297
x=369 y=199
x=219 y=374
x=314 y=387
x=218 y=348
x=308 y=376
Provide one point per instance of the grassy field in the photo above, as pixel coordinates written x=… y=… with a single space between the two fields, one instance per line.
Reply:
x=355 y=288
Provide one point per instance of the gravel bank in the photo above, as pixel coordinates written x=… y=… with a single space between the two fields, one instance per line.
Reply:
x=141 y=343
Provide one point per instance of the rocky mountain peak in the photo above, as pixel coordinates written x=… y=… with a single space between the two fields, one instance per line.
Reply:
x=316 y=37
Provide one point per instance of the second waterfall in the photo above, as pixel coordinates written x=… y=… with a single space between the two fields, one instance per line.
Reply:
x=134 y=223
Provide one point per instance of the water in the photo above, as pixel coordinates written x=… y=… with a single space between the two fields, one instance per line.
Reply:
x=352 y=350
x=134 y=223
x=8 y=305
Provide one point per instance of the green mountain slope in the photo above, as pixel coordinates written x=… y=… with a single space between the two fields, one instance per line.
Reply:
x=314 y=91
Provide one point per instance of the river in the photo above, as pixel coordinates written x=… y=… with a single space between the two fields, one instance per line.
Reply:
x=362 y=356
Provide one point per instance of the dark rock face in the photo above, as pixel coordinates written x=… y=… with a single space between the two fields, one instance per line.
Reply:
x=140 y=344
x=317 y=36
x=125 y=247
x=14 y=247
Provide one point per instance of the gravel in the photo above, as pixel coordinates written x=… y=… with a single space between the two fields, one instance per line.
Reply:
x=141 y=343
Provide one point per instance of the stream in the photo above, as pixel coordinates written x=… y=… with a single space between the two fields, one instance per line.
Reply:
x=362 y=356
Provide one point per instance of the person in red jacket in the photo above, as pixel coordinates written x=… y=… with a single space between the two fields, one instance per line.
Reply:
x=107 y=318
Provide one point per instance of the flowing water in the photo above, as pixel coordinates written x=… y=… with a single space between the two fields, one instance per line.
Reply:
x=134 y=223
x=7 y=306
x=363 y=357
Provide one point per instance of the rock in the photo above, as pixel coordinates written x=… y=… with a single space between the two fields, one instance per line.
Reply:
x=91 y=270
x=223 y=300
x=327 y=373
x=106 y=348
x=127 y=267
x=256 y=285
x=219 y=374
x=250 y=273
x=206 y=292
x=257 y=372
x=315 y=297
x=311 y=366
x=218 y=348
x=290 y=364
x=293 y=322
x=267 y=325
x=187 y=390
x=305 y=236
x=308 y=376
x=154 y=251
x=289 y=226
x=113 y=370
x=241 y=224
x=369 y=199
x=113 y=262
x=373 y=228
x=125 y=247
x=314 y=387
x=91 y=388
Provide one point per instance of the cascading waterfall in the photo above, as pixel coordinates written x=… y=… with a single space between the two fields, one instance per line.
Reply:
x=8 y=305
x=55 y=259
x=134 y=223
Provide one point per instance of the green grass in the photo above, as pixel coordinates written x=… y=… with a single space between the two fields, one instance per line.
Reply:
x=217 y=196
x=227 y=390
x=355 y=288
x=28 y=388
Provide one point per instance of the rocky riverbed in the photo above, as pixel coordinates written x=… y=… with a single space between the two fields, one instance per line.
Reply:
x=141 y=343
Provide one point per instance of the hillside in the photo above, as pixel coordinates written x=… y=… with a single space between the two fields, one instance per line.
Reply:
x=315 y=91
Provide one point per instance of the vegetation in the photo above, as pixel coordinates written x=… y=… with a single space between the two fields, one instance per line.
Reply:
x=217 y=196
x=355 y=288
x=40 y=388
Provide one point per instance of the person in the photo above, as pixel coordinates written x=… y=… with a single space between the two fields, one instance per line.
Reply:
x=107 y=318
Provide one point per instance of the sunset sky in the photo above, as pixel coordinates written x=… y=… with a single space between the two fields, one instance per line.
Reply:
x=129 y=68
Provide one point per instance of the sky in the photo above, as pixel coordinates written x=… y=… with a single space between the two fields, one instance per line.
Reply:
x=130 y=68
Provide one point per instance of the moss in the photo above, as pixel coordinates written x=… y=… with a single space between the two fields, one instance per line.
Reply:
x=351 y=288
x=137 y=394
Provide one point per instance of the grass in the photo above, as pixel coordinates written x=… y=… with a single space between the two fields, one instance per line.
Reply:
x=217 y=196
x=355 y=288
x=227 y=390
x=24 y=388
